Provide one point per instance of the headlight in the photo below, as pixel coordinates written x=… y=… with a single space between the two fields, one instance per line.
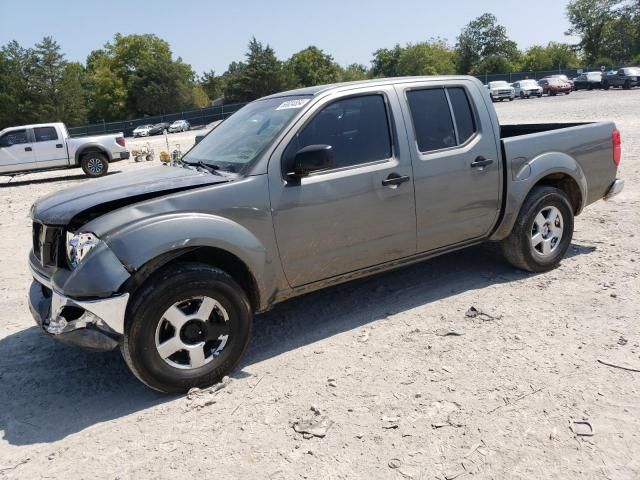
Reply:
x=78 y=245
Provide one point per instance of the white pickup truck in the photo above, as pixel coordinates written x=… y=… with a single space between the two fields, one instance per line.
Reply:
x=48 y=146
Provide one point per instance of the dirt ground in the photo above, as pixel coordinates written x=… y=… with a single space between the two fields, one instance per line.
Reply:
x=369 y=360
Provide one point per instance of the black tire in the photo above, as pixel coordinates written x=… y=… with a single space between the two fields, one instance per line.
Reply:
x=627 y=85
x=94 y=165
x=517 y=247
x=172 y=284
x=605 y=85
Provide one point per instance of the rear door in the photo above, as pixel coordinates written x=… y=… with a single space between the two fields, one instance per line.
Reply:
x=361 y=212
x=49 y=147
x=16 y=150
x=456 y=165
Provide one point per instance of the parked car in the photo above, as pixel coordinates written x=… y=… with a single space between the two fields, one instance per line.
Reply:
x=500 y=90
x=527 y=88
x=159 y=128
x=179 y=126
x=48 y=146
x=588 y=81
x=295 y=192
x=626 y=78
x=142 y=131
x=564 y=78
x=553 y=86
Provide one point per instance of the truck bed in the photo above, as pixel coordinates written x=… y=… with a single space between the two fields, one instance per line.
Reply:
x=587 y=144
x=508 y=131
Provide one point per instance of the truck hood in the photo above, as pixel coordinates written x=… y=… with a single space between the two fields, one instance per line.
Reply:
x=76 y=205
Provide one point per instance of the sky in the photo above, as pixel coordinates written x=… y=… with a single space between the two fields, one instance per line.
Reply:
x=211 y=34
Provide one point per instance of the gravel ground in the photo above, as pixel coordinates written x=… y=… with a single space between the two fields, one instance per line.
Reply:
x=368 y=361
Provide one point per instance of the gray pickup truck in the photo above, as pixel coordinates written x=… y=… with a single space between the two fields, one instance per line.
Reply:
x=295 y=192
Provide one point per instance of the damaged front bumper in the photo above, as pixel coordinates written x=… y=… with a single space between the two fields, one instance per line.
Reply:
x=95 y=325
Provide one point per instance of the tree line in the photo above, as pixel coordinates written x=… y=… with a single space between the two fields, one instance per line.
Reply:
x=137 y=75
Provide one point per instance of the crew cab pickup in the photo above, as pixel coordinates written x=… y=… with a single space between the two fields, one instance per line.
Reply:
x=295 y=192
x=48 y=146
x=626 y=78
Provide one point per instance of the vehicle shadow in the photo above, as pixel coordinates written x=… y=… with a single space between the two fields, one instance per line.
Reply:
x=50 y=390
x=37 y=181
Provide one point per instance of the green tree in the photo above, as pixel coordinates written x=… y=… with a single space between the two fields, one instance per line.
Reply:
x=589 y=20
x=200 y=98
x=212 y=84
x=492 y=64
x=312 y=66
x=18 y=98
x=161 y=86
x=385 y=62
x=353 y=72
x=262 y=74
x=427 y=58
x=136 y=75
x=483 y=37
x=553 y=56
x=73 y=95
x=47 y=76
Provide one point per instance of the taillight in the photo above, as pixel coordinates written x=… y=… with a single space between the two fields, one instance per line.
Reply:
x=617 y=147
x=120 y=141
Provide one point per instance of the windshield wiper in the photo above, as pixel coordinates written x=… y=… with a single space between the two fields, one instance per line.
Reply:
x=210 y=167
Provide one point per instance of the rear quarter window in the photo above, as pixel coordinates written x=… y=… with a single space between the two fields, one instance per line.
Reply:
x=464 y=118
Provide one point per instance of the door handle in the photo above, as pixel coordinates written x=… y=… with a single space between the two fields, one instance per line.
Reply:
x=28 y=149
x=394 y=180
x=58 y=145
x=481 y=162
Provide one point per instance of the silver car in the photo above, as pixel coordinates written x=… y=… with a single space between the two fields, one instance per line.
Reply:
x=179 y=126
x=527 y=88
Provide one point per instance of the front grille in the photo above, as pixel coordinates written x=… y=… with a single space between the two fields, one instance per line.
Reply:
x=47 y=244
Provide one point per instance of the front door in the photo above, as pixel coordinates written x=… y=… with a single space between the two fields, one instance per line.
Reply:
x=360 y=212
x=456 y=164
x=48 y=147
x=16 y=151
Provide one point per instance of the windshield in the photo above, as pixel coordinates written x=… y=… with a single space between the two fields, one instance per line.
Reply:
x=498 y=84
x=528 y=83
x=243 y=136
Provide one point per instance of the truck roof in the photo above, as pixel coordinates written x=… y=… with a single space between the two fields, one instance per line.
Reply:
x=318 y=89
x=34 y=125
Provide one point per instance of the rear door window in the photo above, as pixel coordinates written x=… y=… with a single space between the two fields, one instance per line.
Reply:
x=432 y=120
x=45 y=134
x=462 y=113
x=440 y=122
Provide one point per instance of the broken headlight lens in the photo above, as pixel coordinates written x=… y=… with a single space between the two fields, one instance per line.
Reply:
x=78 y=245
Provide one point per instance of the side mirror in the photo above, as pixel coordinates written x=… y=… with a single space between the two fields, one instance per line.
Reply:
x=312 y=158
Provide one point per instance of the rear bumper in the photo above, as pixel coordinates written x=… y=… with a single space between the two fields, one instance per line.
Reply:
x=120 y=156
x=615 y=188
x=85 y=323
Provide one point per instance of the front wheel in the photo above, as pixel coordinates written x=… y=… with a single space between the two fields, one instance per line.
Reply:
x=94 y=165
x=187 y=326
x=542 y=232
x=606 y=85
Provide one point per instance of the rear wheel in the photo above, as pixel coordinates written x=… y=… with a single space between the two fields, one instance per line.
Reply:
x=606 y=85
x=542 y=232
x=187 y=326
x=94 y=164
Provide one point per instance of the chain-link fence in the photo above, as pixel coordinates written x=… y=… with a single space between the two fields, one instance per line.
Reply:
x=537 y=75
x=203 y=116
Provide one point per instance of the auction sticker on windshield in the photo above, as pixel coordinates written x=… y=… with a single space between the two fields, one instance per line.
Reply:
x=299 y=103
